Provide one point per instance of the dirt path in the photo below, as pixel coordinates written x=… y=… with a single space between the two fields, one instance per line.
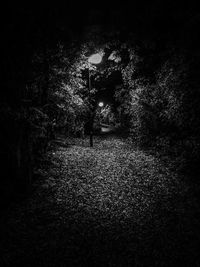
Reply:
x=104 y=206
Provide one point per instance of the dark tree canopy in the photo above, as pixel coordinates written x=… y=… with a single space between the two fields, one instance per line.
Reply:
x=149 y=74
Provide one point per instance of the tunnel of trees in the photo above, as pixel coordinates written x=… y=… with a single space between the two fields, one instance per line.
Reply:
x=99 y=163
x=149 y=78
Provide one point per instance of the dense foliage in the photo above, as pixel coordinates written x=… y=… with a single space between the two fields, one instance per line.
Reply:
x=155 y=99
x=160 y=109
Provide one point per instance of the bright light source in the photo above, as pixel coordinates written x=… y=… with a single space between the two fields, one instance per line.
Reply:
x=95 y=59
x=101 y=104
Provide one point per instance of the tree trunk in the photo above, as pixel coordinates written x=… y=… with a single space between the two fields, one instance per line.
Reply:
x=45 y=87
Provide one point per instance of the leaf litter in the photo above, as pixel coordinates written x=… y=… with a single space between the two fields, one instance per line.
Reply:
x=110 y=205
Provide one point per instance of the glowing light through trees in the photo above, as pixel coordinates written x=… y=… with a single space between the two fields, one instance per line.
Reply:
x=95 y=58
x=101 y=104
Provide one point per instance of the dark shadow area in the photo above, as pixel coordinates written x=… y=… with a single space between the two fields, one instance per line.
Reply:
x=100 y=134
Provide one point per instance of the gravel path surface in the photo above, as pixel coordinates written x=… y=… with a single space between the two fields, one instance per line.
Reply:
x=104 y=206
